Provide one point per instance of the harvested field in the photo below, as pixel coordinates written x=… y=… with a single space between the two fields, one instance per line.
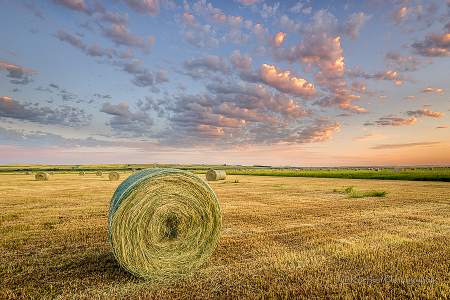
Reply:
x=282 y=237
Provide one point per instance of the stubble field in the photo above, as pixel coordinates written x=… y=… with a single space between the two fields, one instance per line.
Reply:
x=282 y=238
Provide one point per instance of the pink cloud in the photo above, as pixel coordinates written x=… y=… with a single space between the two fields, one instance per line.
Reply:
x=430 y=90
x=426 y=112
x=394 y=121
x=144 y=7
x=284 y=82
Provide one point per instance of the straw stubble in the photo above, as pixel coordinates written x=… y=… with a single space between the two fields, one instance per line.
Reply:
x=163 y=223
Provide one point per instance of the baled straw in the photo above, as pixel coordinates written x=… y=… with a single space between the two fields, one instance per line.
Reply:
x=99 y=173
x=27 y=173
x=163 y=223
x=114 y=175
x=213 y=175
x=81 y=173
x=42 y=176
x=51 y=173
x=399 y=169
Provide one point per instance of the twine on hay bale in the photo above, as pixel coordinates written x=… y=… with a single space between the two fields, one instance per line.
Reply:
x=42 y=176
x=81 y=173
x=114 y=175
x=99 y=173
x=163 y=223
x=213 y=175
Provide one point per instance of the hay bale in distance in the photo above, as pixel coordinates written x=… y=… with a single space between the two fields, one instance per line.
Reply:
x=99 y=173
x=213 y=175
x=81 y=173
x=399 y=169
x=51 y=173
x=27 y=173
x=377 y=169
x=298 y=170
x=42 y=176
x=114 y=175
x=163 y=223
x=413 y=169
x=329 y=170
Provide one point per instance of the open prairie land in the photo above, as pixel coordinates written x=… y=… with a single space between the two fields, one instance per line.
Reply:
x=282 y=238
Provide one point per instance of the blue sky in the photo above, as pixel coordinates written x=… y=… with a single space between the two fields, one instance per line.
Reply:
x=300 y=83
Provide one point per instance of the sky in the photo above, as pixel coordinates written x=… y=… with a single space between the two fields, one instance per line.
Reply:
x=239 y=82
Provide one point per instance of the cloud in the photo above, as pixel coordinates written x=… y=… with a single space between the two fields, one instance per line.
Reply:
x=442 y=127
x=325 y=23
x=249 y=1
x=64 y=36
x=206 y=63
x=65 y=116
x=120 y=35
x=123 y=120
x=431 y=90
x=284 y=82
x=197 y=35
x=425 y=112
x=93 y=50
x=366 y=137
x=80 y=6
x=407 y=145
x=409 y=97
x=144 y=7
x=296 y=8
x=33 y=8
x=434 y=45
x=268 y=11
x=405 y=64
x=394 y=121
x=113 y=18
x=422 y=16
x=352 y=25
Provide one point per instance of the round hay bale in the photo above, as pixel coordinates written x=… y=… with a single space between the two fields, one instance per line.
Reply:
x=163 y=223
x=81 y=173
x=51 y=173
x=213 y=175
x=41 y=176
x=399 y=169
x=99 y=173
x=329 y=170
x=27 y=173
x=413 y=169
x=114 y=175
x=298 y=170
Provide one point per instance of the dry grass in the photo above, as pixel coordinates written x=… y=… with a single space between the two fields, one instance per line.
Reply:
x=282 y=237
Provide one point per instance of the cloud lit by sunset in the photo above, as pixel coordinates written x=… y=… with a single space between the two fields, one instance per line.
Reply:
x=161 y=81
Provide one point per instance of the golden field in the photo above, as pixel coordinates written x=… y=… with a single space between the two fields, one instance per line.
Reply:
x=282 y=238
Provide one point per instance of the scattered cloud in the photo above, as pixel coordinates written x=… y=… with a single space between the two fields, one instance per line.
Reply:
x=123 y=120
x=425 y=112
x=431 y=90
x=64 y=116
x=407 y=145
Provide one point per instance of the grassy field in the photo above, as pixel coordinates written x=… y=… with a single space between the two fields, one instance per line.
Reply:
x=414 y=174
x=282 y=238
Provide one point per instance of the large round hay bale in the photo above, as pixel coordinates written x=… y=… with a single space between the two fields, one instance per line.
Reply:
x=163 y=223
x=399 y=169
x=81 y=173
x=99 y=173
x=42 y=176
x=213 y=175
x=114 y=175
